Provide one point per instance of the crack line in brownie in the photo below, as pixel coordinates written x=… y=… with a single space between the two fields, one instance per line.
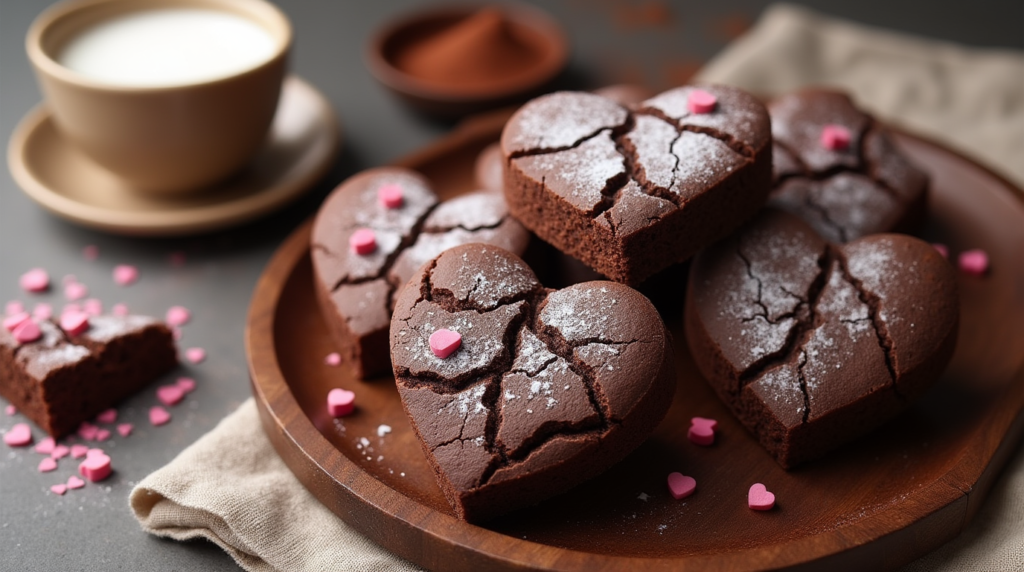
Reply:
x=825 y=216
x=881 y=330
x=864 y=167
x=803 y=385
x=801 y=331
x=491 y=379
x=614 y=186
x=764 y=308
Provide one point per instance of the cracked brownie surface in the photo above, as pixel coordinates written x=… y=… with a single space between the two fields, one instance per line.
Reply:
x=633 y=190
x=813 y=344
x=548 y=388
x=866 y=188
x=60 y=380
x=357 y=292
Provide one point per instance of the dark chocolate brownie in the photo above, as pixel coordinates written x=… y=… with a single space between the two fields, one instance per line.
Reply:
x=548 y=387
x=812 y=344
x=633 y=191
x=60 y=380
x=867 y=187
x=357 y=291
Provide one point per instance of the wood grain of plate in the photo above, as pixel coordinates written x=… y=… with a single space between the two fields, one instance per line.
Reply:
x=876 y=504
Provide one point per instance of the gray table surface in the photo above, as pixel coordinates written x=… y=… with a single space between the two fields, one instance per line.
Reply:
x=92 y=528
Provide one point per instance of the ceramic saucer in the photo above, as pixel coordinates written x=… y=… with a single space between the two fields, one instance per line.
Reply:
x=301 y=146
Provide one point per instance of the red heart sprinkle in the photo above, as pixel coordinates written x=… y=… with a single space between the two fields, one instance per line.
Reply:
x=340 y=402
x=27 y=331
x=95 y=467
x=973 y=262
x=702 y=431
x=444 y=342
x=108 y=416
x=680 y=485
x=158 y=415
x=35 y=280
x=125 y=429
x=74 y=323
x=363 y=241
x=700 y=101
x=170 y=394
x=835 y=137
x=18 y=436
x=390 y=196
x=759 y=498
x=48 y=464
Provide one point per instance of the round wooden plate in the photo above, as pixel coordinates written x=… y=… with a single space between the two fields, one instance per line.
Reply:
x=880 y=502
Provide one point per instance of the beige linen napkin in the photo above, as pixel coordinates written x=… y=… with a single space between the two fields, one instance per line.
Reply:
x=231 y=487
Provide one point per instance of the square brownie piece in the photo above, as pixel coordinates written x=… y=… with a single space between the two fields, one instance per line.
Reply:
x=60 y=380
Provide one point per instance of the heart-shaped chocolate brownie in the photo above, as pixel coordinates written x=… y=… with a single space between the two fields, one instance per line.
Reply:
x=372 y=233
x=837 y=168
x=546 y=388
x=631 y=191
x=812 y=344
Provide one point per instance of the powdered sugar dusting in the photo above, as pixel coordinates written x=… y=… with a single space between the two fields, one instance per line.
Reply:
x=561 y=119
x=737 y=113
x=106 y=328
x=580 y=313
x=472 y=211
x=703 y=162
x=532 y=354
x=578 y=175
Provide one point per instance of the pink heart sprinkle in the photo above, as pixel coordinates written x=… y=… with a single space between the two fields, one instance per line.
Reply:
x=87 y=431
x=125 y=429
x=10 y=410
x=178 y=315
x=680 y=485
x=75 y=482
x=13 y=321
x=102 y=434
x=835 y=137
x=45 y=446
x=74 y=323
x=941 y=249
x=93 y=307
x=27 y=331
x=95 y=467
x=444 y=342
x=158 y=415
x=108 y=416
x=195 y=355
x=333 y=358
x=35 y=280
x=91 y=252
x=363 y=241
x=79 y=451
x=14 y=307
x=18 y=436
x=48 y=464
x=43 y=311
x=973 y=262
x=60 y=451
x=700 y=101
x=702 y=431
x=759 y=498
x=170 y=394
x=125 y=274
x=119 y=310
x=186 y=384
x=340 y=402
x=59 y=488
x=75 y=291
x=390 y=196
x=94 y=452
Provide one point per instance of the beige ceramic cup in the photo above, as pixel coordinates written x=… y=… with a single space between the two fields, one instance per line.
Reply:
x=160 y=140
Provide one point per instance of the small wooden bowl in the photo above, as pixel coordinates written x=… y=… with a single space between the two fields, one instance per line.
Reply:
x=528 y=24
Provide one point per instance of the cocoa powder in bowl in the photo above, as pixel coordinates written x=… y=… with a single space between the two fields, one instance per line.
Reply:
x=451 y=61
x=473 y=53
